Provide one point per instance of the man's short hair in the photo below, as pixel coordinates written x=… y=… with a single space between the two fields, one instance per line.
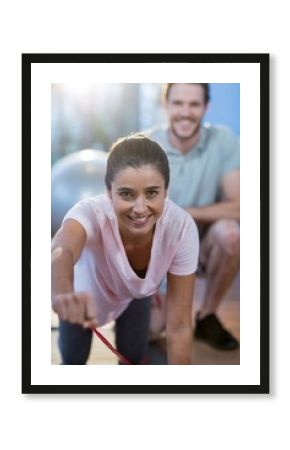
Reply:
x=167 y=86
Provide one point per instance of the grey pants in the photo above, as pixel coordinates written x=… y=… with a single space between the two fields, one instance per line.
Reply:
x=132 y=332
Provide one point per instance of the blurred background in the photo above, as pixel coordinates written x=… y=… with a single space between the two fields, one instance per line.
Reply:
x=94 y=115
x=88 y=118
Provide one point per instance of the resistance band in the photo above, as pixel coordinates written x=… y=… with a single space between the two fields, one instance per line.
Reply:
x=121 y=358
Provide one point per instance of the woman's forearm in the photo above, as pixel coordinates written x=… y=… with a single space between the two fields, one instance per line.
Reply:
x=179 y=345
x=61 y=271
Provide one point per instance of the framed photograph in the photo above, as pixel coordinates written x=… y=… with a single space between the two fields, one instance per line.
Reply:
x=74 y=107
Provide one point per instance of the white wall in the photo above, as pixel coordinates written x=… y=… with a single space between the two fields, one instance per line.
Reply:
x=171 y=422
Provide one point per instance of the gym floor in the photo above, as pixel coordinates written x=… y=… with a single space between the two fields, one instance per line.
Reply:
x=229 y=313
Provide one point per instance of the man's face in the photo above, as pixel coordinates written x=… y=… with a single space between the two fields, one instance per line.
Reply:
x=185 y=109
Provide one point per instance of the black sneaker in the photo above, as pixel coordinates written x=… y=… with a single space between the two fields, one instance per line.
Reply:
x=210 y=330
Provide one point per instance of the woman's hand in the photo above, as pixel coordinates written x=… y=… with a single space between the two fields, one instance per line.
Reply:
x=75 y=307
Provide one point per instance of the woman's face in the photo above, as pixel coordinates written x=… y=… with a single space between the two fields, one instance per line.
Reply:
x=138 y=196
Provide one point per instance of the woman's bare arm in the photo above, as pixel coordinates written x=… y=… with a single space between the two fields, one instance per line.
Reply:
x=179 y=335
x=67 y=245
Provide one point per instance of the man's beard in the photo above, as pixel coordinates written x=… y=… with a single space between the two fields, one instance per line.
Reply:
x=194 y=133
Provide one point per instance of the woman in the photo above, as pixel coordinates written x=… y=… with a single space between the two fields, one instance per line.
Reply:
x=112 y=252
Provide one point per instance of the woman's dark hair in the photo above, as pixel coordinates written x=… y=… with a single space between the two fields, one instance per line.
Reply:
x=136 y=151
x=167 y=86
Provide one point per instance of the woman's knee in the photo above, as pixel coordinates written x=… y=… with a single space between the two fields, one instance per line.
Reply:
x=132 y=330
x=74 y=343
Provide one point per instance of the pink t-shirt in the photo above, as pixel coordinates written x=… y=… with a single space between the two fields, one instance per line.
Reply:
x=103 y=269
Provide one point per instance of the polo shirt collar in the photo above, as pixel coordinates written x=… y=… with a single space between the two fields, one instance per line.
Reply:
x=200 y=146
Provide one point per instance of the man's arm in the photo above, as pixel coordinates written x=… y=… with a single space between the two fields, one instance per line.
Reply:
x=228 y=208
x=179 y=299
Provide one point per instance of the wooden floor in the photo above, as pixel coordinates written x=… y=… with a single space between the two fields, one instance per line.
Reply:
x=229 y=313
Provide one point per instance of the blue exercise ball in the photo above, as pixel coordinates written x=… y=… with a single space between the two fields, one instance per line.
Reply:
x=75 y=177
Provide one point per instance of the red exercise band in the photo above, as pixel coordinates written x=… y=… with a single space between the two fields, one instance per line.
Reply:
x=121 y=358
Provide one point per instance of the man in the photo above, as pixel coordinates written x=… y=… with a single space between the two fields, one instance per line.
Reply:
x=205 y=180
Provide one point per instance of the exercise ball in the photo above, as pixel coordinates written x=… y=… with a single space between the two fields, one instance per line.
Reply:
x=75 y=177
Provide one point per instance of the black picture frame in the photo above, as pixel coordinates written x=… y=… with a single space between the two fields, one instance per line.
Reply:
x=262 y=60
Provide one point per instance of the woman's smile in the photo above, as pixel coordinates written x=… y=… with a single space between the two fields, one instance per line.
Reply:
x=140 y=221
x=138 y=196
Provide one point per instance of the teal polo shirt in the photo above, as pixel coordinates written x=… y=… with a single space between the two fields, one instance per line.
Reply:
x=195 y=178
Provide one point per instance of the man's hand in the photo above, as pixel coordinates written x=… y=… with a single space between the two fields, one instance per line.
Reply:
x=75 y=307
x=227 y=208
